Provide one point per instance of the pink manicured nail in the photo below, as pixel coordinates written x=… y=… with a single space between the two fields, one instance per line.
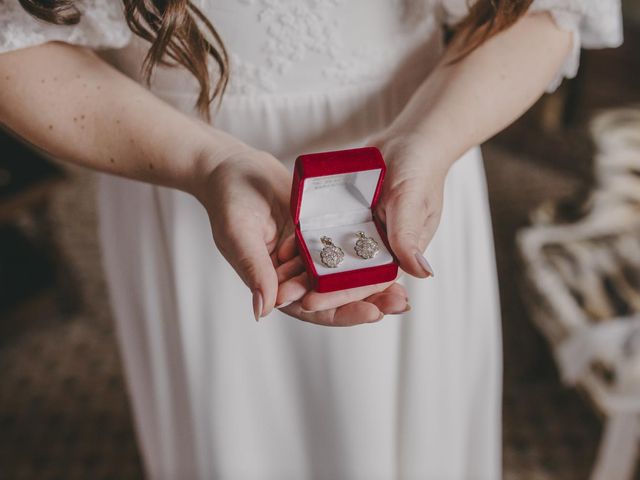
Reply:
x=257 y=304
x=284 y=304
x=424 y=264
x=406 y=309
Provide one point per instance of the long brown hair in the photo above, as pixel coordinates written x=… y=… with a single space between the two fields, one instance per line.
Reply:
x=178 y=31
x=487 y=18
x=181 y=35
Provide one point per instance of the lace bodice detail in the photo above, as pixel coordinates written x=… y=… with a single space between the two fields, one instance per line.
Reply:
x=341 y=42
x=295 y=46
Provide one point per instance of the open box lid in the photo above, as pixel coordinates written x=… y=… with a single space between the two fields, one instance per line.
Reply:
x=336 y=188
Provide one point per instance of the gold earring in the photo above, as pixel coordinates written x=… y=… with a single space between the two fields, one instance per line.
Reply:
x=331 y=255
x=366 y=247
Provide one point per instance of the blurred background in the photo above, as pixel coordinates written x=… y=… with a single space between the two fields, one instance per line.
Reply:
x=565 y=197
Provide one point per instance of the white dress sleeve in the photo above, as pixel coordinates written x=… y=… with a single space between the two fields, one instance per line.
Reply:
x=594 y=24
x=102 y=25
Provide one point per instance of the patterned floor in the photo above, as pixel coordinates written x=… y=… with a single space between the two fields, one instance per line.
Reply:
x=64 y=411
x=549 y=431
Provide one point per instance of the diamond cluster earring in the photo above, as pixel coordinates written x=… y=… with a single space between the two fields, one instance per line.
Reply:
x=331 y=255
x=366 y=247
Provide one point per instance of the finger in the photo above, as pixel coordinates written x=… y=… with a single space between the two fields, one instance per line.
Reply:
x=287 y=249
x=297 y=287
x=354 y=313
x=314 y=301
x=389 y=303
x=398 y=289
x=249 y=257
x=406 y=221
x=292 y=290
x=290 y=269
x=294 y=310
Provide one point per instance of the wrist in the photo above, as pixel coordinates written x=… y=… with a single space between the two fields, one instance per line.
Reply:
x=429 y=154
x=215 y=149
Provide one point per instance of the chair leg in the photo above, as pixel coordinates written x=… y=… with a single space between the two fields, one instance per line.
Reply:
x=618 y=448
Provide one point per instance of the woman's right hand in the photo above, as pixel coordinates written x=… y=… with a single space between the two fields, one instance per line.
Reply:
x=246 y=195
x=107 y=128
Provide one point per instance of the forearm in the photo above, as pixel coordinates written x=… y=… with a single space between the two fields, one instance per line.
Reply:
x=462 y=104
x=70 y=103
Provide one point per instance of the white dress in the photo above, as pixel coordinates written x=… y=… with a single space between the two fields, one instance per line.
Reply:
x=216 y=395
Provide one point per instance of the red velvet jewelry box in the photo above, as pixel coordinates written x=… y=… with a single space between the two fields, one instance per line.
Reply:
x=334 y=194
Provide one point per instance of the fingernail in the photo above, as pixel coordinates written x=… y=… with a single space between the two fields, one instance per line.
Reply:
x=284 y=304
x=306 y=311
x=424 y=264
x=257 y=304
x=380 y=317
x=406 y=309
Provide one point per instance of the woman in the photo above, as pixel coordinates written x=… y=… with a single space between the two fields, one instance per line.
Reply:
x=217 y=396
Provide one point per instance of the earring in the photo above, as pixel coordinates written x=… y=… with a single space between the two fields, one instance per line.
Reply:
x=366 y=247
x=331 y=255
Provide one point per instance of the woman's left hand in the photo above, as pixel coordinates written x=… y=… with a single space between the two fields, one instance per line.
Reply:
x=411 y=202
x=410 y=207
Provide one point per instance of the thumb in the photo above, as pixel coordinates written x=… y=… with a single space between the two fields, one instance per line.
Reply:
x=410 y=226
x=249 y=256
